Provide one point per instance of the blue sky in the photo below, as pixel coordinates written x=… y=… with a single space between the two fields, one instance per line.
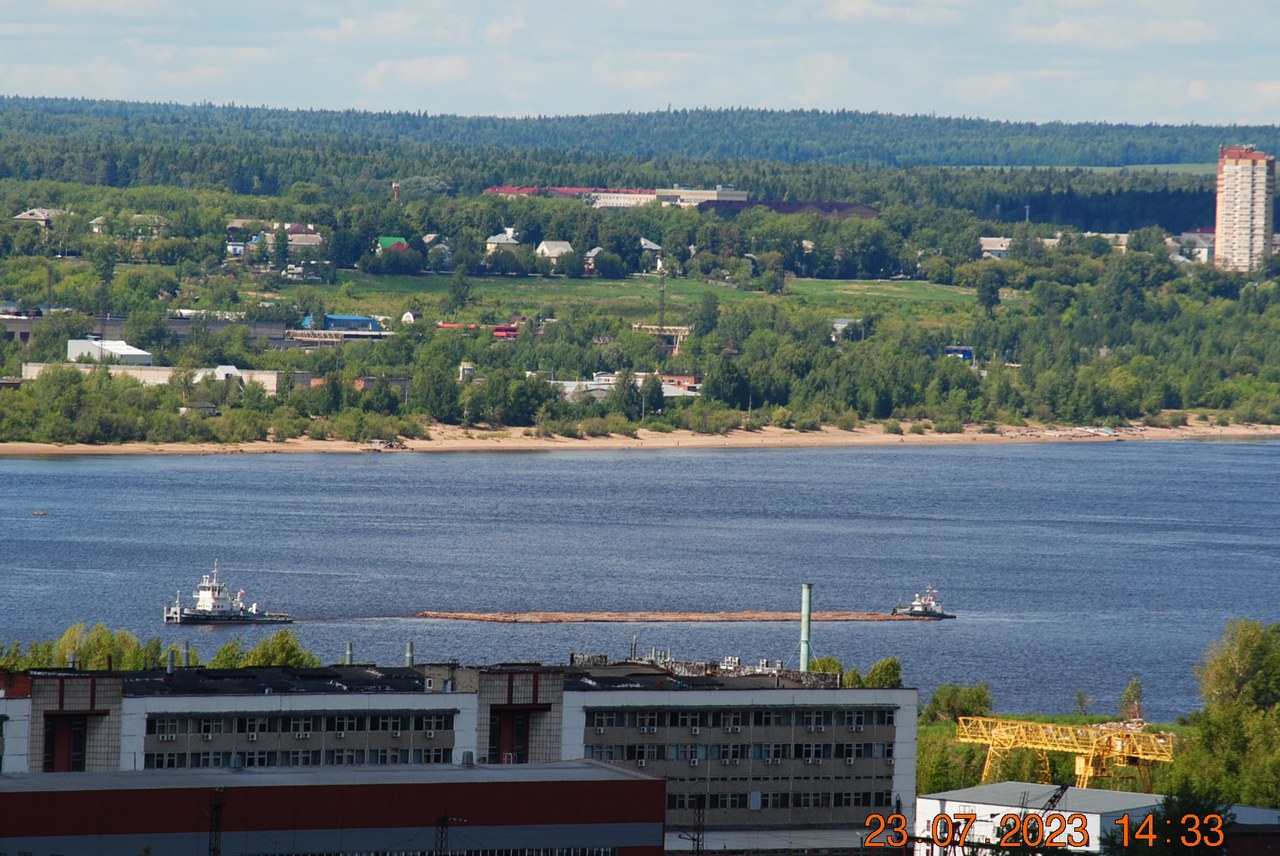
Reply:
x=1172 y=61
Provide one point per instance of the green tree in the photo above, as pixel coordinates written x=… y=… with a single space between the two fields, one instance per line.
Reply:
x=624 y=396
x=229 y=656
x=280 y=249
x=949 y=702
x=1131 y=700
x=280 y=649
x=652 y=400
x=706 y=316
x=886 y=674
x=829 y=665
x=459 y=289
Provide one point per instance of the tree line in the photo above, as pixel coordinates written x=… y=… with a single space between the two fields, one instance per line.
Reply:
x=786 y=136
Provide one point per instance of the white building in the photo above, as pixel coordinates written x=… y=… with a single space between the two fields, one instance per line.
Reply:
x=107 y=351
x=758 y=749
x=1080 y=818
x=1246 y=206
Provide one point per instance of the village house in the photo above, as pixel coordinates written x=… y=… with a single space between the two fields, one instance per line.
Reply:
x=504 y=240
x=553 y=250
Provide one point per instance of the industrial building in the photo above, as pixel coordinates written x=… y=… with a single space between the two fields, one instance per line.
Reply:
x=562 y=809
x=107 y=351
x=749 y=755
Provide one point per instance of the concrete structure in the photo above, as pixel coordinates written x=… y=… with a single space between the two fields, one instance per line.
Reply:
x=757 y=749
x=272 y=382
x=602 y=383
x=1246 y=208
x=561 y=809
x=690 y=197
x=107 y=351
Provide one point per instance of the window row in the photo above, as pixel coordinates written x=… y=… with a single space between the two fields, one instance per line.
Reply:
x=296 y=758
x=736 y=719
x=295 y=723
x=782 y=799
x=736 y=751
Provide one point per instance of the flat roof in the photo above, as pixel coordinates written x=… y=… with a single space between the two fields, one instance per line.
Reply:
x=1033 y=796
x=257 y=680
x=318 y=776
x=647 y=676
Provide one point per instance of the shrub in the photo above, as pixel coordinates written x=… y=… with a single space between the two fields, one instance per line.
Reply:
x=950 y=425
x=618 y=423
x=807 y=421
x=596 y=426
x=891 y=426
x=847 y=420
x=917 y=428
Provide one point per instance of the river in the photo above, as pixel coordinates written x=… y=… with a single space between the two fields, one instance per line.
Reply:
x=1071 y=567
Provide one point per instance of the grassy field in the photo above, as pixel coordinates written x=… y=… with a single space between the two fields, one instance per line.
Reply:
x=635 y=297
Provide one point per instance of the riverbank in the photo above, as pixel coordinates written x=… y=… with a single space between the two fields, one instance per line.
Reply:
x=451 y=438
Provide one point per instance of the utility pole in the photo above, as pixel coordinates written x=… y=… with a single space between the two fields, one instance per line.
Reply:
x=696 y=835
x=442 y=833
x=216 y=804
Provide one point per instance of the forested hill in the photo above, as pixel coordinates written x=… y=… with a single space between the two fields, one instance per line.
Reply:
x=796 y=136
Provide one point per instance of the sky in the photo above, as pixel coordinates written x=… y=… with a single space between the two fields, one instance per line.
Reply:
x=1139 y=61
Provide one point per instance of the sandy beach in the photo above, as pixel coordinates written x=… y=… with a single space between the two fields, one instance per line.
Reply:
x=451 y=438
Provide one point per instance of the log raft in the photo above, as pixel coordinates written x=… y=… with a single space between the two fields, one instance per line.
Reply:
x=658 y=617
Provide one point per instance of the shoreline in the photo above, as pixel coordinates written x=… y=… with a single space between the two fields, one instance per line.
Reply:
x=451 y=438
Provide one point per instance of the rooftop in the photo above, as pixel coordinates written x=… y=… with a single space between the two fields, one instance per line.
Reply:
x=274 y=679
x=318 y=776
x=1033 y=796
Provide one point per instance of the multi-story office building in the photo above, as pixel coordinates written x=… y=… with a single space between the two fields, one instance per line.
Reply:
x=742 y=750
x=1246 y=206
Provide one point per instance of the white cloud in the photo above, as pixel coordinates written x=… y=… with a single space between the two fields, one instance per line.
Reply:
x=423 y=71
x=902 y=11
x=503 y=30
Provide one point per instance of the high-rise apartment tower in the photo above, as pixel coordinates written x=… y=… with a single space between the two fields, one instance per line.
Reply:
x=1246 y=204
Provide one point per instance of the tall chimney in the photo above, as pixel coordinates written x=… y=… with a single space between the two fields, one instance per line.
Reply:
x=347 y=660
x=408 y=653
x=172 y=656
x=806 y=613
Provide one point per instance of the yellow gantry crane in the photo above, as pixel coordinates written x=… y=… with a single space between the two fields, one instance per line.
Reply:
x=1123 y=744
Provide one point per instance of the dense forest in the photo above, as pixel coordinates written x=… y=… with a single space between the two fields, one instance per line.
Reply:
x=342 y=158
x=794 y=136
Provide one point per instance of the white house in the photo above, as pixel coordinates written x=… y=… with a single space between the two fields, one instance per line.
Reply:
x=553 y=250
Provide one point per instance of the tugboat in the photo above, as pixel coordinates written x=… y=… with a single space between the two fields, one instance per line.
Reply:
x=215 y=605
x=923 y=606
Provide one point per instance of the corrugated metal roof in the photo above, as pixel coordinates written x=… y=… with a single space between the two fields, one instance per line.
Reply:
x=1016 y=795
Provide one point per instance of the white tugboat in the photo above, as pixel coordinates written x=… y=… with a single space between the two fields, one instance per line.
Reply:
x=215 y=605
x=923 y=606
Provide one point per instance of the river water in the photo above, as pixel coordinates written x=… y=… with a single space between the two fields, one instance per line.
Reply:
x=1070 y=566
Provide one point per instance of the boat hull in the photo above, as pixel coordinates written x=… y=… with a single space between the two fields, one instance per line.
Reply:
x=200 y=618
